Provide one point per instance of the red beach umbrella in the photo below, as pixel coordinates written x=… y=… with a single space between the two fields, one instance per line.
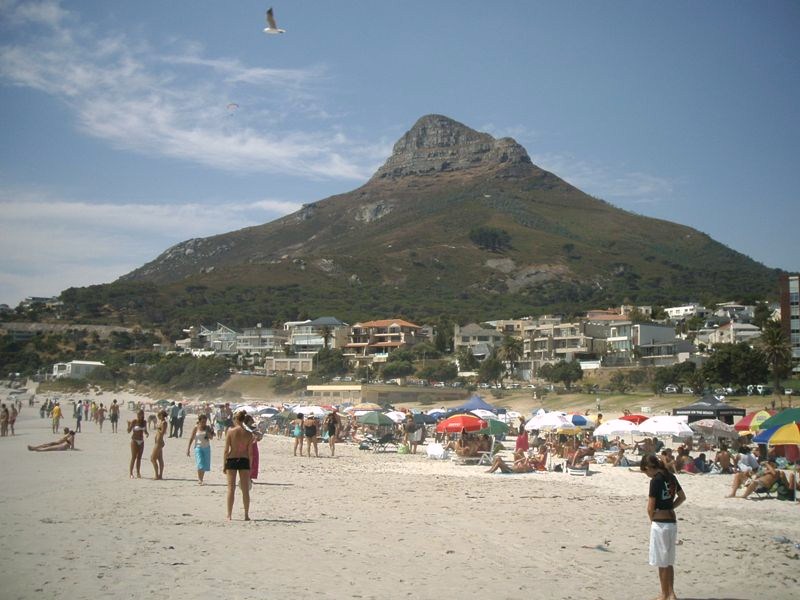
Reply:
x=456 y=423
x=752 y=421
x=637 y=419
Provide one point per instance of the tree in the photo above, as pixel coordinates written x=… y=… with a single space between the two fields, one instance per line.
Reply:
x=444 y=336
x=440 y=371
x=490 y=238
x=510 y=351
x=619 y=383
x=466 y=359
x=490 y=370
x=562 y=372
x=330 y=362
x=397 y=368
x=762 y=315
x=735 y=364
x=327 y=333
x=777 y=352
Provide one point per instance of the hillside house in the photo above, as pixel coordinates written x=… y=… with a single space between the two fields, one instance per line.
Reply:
x=478 y=339
x=313 y=335
x=76 y=369
x=373 y=341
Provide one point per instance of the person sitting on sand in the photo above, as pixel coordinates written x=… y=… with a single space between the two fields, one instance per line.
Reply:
x=668 y=461
x=620 y=460
x=581 y=458
x=723 y=460
x=521 y=464
x=67 y=442
x=764 y=477
x=646 y=446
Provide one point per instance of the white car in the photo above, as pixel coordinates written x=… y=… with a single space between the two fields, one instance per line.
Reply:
x=671 y=389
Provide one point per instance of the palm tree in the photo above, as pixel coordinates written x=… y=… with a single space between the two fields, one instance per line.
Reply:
x=327 y=333
x=511 y=351
x=775 y=346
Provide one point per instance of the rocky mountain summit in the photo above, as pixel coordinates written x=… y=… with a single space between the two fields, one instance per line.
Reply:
x=437 y=144
x=407 y=242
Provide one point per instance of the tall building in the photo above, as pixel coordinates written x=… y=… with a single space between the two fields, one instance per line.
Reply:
x=790 y=315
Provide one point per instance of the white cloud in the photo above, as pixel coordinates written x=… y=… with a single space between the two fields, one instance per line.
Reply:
x=49 y=244
x=173 y=104
x=612 y=183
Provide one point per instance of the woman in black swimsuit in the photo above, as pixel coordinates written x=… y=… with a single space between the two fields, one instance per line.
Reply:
x=236 y=459
x=310 y=433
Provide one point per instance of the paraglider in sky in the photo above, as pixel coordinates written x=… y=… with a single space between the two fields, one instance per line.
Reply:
x=232 y=108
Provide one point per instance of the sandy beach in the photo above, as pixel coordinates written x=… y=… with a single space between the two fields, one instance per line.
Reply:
x=363 y=525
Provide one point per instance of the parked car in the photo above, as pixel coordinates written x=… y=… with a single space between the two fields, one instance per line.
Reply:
x=687 y=390
x=788 y=391
x=671 y=389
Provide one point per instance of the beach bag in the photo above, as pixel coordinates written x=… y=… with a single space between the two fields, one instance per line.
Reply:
x=403 y=449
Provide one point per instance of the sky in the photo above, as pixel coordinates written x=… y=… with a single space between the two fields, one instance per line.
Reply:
x=128 y=127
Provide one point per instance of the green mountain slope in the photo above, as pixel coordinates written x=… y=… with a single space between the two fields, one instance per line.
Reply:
x=401 y=245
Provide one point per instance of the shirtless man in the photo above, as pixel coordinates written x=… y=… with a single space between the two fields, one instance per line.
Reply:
x=723 y=460
x=65 y=443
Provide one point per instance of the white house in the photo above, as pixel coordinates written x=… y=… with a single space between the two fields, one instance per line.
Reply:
x=733 y=333
x=76 y=369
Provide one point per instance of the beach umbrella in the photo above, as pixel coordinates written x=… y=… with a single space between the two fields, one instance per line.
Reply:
x=396 y=416
x=456 y=423
x=375 y=418
x=581 y=421
x=484 y=414
x=163 y=402
x=549 y=421
x=437 y=414
x=616 y=427
x=790 y=415
x=423 y=419
x=637 y=419
x=250 y=410
x=367 y=406
x=494 y=427
x=664 y=425
x=267 y=411
x=714 y=428
x=752 y=421
x=780 y=435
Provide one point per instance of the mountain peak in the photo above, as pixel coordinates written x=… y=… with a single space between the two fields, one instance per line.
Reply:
x=437 y=143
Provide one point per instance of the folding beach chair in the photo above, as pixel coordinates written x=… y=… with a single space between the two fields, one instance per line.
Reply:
x=383 y=442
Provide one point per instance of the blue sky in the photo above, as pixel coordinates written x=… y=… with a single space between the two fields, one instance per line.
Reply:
x=118 y=140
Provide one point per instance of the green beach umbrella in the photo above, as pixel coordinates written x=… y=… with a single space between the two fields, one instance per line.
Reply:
x=375 y=418
x=790 y=415
x=494 y=427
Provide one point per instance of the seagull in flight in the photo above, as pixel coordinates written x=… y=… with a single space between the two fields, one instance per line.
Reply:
x=272 y=26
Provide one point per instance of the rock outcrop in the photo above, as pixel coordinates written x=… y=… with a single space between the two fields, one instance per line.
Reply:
x=438 y=144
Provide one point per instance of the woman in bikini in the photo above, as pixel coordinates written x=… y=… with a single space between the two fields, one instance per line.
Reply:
x=65 y=443
x=157 y=457
x=138 y=429
x=201 y=436
x=297 y=433
x=310 y=430
x=237 y=458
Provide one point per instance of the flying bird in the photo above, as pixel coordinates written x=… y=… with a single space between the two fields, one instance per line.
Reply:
x=272 y=26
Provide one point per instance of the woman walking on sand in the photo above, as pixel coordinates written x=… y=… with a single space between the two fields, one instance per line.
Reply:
x=237 y=458
x=157 y=457
x=138 y=429
x=297 y=433
x=664 y=496
x=201 y=436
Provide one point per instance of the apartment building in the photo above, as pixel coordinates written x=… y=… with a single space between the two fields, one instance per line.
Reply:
x=480 y=340
x=260 y=340
x=790 y=315
x=373 y=341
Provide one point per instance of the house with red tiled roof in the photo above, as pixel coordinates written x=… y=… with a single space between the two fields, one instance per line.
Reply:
x=373 y=341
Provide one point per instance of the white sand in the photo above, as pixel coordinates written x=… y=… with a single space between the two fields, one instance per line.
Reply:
x=362 y=525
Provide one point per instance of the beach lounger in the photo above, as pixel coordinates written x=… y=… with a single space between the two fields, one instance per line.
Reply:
x=577 y=471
